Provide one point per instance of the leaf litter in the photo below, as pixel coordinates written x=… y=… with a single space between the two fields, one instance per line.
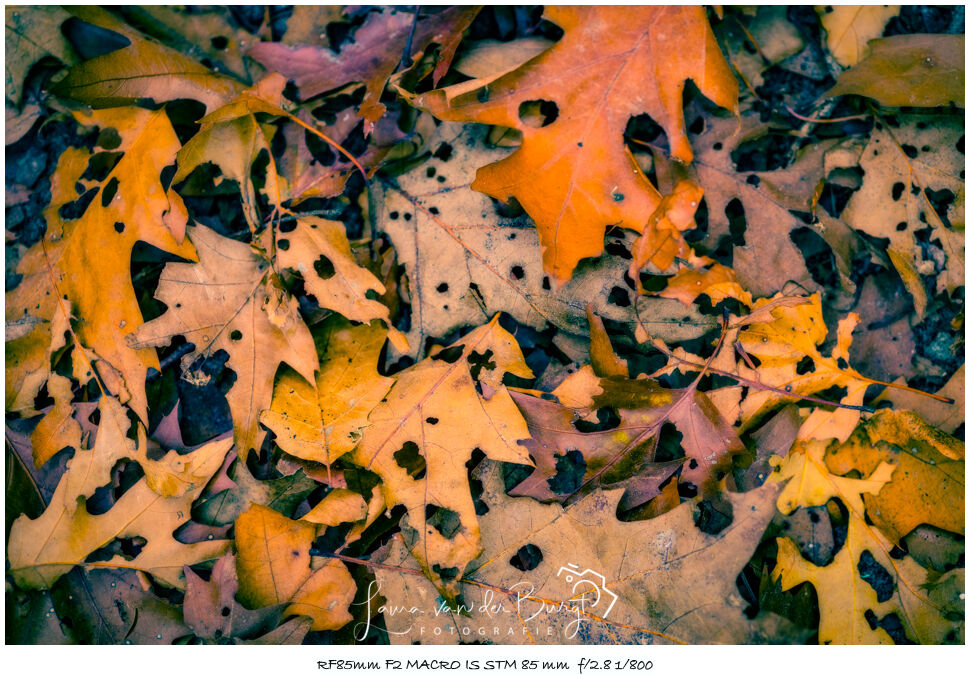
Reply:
x=464 y=308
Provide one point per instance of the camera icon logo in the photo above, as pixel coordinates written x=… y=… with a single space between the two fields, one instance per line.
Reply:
x=588 y=584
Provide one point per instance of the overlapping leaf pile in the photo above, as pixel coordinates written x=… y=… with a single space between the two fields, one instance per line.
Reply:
x=501 y=325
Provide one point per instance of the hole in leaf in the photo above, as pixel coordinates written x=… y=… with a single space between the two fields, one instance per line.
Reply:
x=410 y=459
x=449 y=354
x=619 y=296
x=806 y=365
x=570 y=469
x=876 y=576
x=109 y=192
x=478 y=361
x=526 y=558
x=538 y=113
x=446 y=521
x=324 y=268
x=737 y=223
x=606 y=419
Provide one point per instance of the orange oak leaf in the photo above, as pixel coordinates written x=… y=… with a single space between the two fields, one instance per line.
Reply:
x=574 y=175
x=83 y=266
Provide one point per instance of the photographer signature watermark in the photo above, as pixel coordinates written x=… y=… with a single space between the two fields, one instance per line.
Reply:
x=492 y=614
x=592 y=581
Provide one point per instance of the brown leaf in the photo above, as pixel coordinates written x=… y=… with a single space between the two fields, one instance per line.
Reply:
x=465 y=260
x=212 y=612
x=909 y=70
x=112 y=607
x=231 y=301
x=660 y=572
x=420 y=438
x=377 y=49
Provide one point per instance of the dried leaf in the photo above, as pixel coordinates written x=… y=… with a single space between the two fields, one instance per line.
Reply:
x=574 y=176
x=230 y=301
x=612 y=582
x=83 y=265
x=142 y=70
x=904 y=166
x=923 y=71
x=465 y=261
x=110 y=607
x=849 y=28
x=852 y=612
x=212 y=612
x=377 y=49
x=324 y=423
x=422 y=435
x=43 y=549
x=274 y=566
x=32 y=33
x=927 y=484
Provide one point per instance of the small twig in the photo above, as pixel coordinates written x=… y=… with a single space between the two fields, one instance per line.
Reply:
x=816 y=120
x=406 y=57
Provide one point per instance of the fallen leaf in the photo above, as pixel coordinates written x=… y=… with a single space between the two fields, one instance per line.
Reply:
x=281 y=494
x=32 y=33
x=849 y=28
x=231 y=301
x=274 y=566
x=378 y=46
x=420 y=438
x=319 y=251
x=590 y=578
x=212 y=612
x=904 y=166
x=923 y=71
x=110 y=607
x=945 y=416
x=323 y=423
x=142 y=70
x=83 y=266
x=862 y=586
x=927 y=484
x=557 y=174
x=465 y=261
x=43 y=549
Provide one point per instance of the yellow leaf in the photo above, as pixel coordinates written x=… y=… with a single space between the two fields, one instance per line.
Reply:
x=319 y=251
x=324 y=422
x=143 y=69
x=420 y=438
x=849 y=28
x=85 y=263
x=65 y=534
x=852 y=590
x=927 y=485
x=339 y=506
x=58 y=429
x=274 y=566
